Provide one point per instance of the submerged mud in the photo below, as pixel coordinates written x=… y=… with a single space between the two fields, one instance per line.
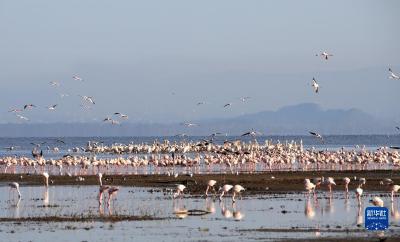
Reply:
x=255 y=183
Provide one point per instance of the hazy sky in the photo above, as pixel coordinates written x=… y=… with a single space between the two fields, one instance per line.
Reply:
x=134 y=55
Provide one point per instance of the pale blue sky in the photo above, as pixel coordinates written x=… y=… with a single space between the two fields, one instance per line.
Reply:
x=134 y=54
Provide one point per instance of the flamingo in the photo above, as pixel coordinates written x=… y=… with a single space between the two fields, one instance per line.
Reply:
x=329 y=182
x=393 y=189
x=211 y=184
x=46 y=178
x=225 y=189
x=111 y=192
x=346 y=184
x=15 y=185
x=237 y=189
x=393 y=75
x=99 y=176
x=309 y=186
x=359 y=192
x=179 y=190
x=102 y=189
x=362 y=181
x=315 y=85
x=324 y=55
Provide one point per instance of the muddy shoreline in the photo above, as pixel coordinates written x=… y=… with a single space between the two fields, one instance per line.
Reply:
x=255 y=183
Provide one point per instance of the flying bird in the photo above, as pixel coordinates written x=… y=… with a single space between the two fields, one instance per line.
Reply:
x=107 y=119
x=315 y=85
x=124 y=116
x=53 y=107
x=60 y=141
x=392 y=75
x=77 y=78
x=22 y=117
x=251 y=133
x=38 y=144
x=324 y=55
x=317 y=135
x=200 y=103
x=244 y=99
x=398 y=128
x=227 y=105
x=29 y=106
x=15 y=110
x=88 y=99
x=189 y=124
x=54 y=83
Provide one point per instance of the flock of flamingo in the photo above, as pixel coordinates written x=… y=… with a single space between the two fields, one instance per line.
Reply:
x=202 y=157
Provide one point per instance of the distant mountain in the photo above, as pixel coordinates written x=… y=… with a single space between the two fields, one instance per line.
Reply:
x=297 y=119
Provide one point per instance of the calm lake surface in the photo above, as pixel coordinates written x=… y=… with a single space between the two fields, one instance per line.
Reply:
x=261 y=217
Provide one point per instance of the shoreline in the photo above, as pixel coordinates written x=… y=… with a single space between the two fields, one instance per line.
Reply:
x=254 y=183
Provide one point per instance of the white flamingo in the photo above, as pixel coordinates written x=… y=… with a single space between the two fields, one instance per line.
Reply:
x=15 y=185
x=225 y=189
x=211 y=184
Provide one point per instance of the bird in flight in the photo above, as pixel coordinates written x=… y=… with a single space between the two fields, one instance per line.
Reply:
x=124 y=116
x=22 y=117
x=398 y=128
x=324 y=55
x=317 y=135
x=60 y=141
x=107 y=119
x=227 y=105
x=315 y=85
x=392 y=75
x=244 y=99
x=251 y=133
x=189 y=124
x=38 y=144
x=29 y=106
x=15 y=110
x=53 y=107
x=77 y=78
x=54 y=83
x=88 y=99
x=200 y=103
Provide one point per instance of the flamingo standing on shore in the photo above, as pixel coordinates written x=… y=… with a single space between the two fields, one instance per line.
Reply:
x=346 y=184
x=179 y=190
x=211 y=184
x=329 y=182
x=225 y=189
x=102 y=189
x=309 y=186
x=393 y=189
x=112 y=191
x=15 y=185
x=99 y=176
x=46 y=178
x=236 y=190
x=359 y=192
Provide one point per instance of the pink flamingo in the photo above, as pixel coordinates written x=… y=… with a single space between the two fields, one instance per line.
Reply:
x=211 y=184
x=225 y=189
x=111 y=192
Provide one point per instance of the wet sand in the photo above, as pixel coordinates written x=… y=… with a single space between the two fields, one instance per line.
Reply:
x=255 y=183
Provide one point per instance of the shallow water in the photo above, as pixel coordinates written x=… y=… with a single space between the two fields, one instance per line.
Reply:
x=298 y=216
